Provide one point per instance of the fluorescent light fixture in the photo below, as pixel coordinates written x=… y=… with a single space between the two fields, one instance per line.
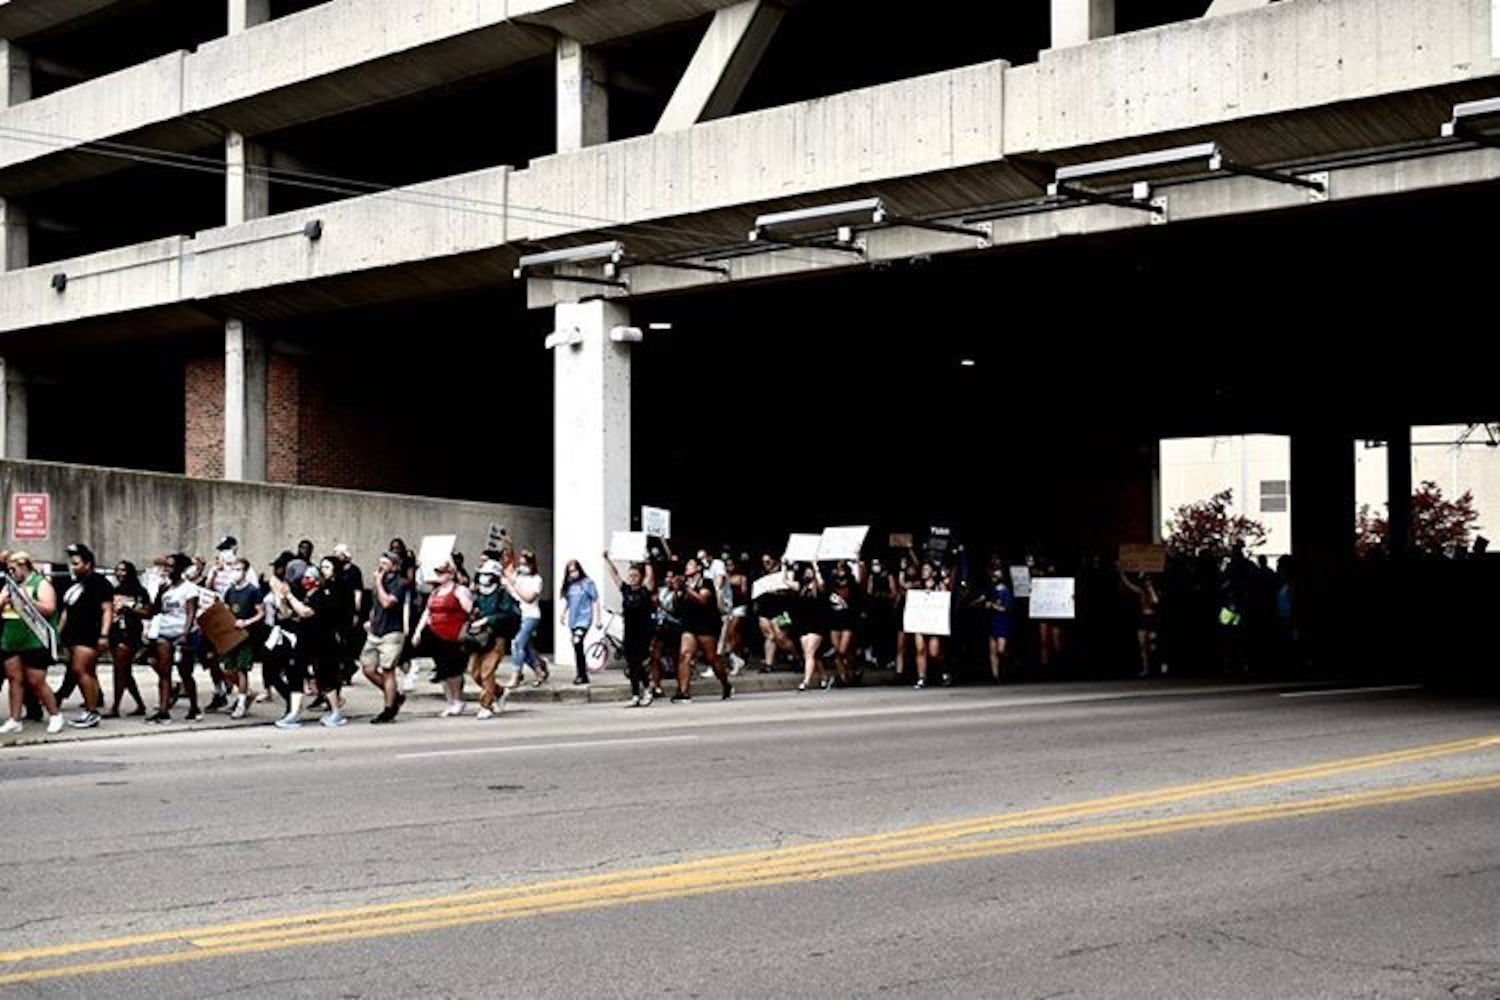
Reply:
x=608 y=252
x=1143 y=166
x=968 y=362
x=1470 y=117
x=866 y=211
x=626 y=335
x=659 y=327
x=557 y=338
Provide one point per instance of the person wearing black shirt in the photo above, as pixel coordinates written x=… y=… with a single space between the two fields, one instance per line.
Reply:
x=88 y=611
x=637 y=605
x=132 y=606
x=699 y=611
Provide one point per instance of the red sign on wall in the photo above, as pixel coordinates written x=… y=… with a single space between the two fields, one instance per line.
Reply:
x=30 y=516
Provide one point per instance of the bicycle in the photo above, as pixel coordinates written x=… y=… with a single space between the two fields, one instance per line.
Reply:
x=607 y=648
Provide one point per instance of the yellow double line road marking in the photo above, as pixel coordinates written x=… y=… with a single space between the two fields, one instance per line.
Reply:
x=933 y=844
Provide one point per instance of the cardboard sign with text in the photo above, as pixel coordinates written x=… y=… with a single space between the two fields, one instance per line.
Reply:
x=1052 y=598
x=628 y=546
x=928 y=612
x=219 y=628
x=1143 y=558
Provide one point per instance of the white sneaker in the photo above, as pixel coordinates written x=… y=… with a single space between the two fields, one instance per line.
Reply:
x=240 y=707
x=453 y=709
x=736 y=664
x=409 y=682
x=484 y=713
x=335 y=719
x=54 y=724
x=12 y=726
x=504 y=697
x=706 y=672
x=647 y=698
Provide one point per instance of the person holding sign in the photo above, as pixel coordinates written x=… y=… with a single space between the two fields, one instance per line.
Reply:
x=27 y=655
x=635 y=606
x=930 y=647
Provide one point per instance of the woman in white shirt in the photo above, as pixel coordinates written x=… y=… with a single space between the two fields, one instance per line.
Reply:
x=176 y=618
x=525 y=584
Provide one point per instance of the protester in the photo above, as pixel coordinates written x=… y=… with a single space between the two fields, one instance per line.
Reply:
x=27 y=656
x=636 y=603
x=438 y=631
x=170 y=633
x=580 y=613
x=132 y=606
x=387 y=630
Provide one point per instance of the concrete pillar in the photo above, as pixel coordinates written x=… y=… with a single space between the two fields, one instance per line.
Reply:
x=1323 y=536
x=582 y=97
x=13 y=409
x=247 y=190
x=245 y=14
x=1077 y=21
x=590 y=447
x=15 y=74
x=15 y=238
x=246 y=364
x=1398 y=490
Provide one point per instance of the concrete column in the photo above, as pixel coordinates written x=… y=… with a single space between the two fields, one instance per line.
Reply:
x=246 y=364
x=247 y=190
x=590 y=447
x=245 y=14
x=13 y=408
x=15 y=238
x=726 y=58
x=15 y=74
x=582 y=97
x=1323 y=536
x=1077 y=21
x=1398 y=490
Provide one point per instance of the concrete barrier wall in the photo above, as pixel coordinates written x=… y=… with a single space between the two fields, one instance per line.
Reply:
x=138 y=515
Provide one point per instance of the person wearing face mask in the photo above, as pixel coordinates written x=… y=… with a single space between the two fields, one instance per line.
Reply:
x=493 y=621
x=698 y=608
x=809 y=615
x=880 y=611
x=243 y=599
x=324 y=649
x=580 y=613
x=442 y=626
x=525 y=584
x=930 y=647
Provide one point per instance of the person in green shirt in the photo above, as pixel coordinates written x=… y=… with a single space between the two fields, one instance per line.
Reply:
x=27 y=656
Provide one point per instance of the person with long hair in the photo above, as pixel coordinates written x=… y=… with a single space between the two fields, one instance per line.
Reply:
x=525 y=584
x=773 y=613
x=132 y=609
x=438 y=632
x=27 y=657
x=843 y=596
x=1000 y=604
x=930 y=647
x=702 y=624
x=580 y=599
x=666 y=639
x=809 y=622
x=171 y=633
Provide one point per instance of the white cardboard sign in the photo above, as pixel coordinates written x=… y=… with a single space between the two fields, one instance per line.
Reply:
x=928 y=612
x=656 y=522
x=432 y=553
x=842 y=543
x=1020 y=579
x=628 y=546
x=1052 y=597
x=802 y=548
x=771 y=583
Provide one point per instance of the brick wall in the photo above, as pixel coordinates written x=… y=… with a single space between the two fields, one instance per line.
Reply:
x=203 y=411
x=283 y=420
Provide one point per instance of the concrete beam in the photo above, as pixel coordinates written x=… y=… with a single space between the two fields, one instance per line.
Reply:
x=591 y=444
x=19 y=18
x=246 y=14
x=13 y=411
x=247 y=188
x=1077 y=21
x=15 y=74
x=1235 y=6
x=582 y=97
x=726 y=58
x=246 y=370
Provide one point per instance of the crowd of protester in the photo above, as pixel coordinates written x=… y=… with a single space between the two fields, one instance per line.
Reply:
x=312 y=625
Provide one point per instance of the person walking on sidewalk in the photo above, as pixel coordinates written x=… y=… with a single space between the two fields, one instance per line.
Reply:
x=580 y=613
x=438 y=633
x=386 y=632
x=525 y=585
x=636 y=605
x=493 y=622
x=243 y=599
x=132 y=608
x=170 y=631
x=702 y=629
x=26 y=656
x=88 y=613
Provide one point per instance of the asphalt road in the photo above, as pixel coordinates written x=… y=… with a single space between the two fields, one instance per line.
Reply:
x=1043 y=841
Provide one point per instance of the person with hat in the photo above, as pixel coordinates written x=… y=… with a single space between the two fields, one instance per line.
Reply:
x=27 y=656
x=493 y=622
x=88 y=612
x=386 y=632
x=442 y=624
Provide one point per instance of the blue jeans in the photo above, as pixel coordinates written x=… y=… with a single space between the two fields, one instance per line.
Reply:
x=521 y=654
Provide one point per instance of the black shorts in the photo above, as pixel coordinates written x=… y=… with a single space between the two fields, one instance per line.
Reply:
x=842 y=621
x=31 y=659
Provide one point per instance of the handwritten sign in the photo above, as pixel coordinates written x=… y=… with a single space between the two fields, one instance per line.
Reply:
x=928 y=612
x=842 y=543
x=1052 y=598
x=628 y=546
